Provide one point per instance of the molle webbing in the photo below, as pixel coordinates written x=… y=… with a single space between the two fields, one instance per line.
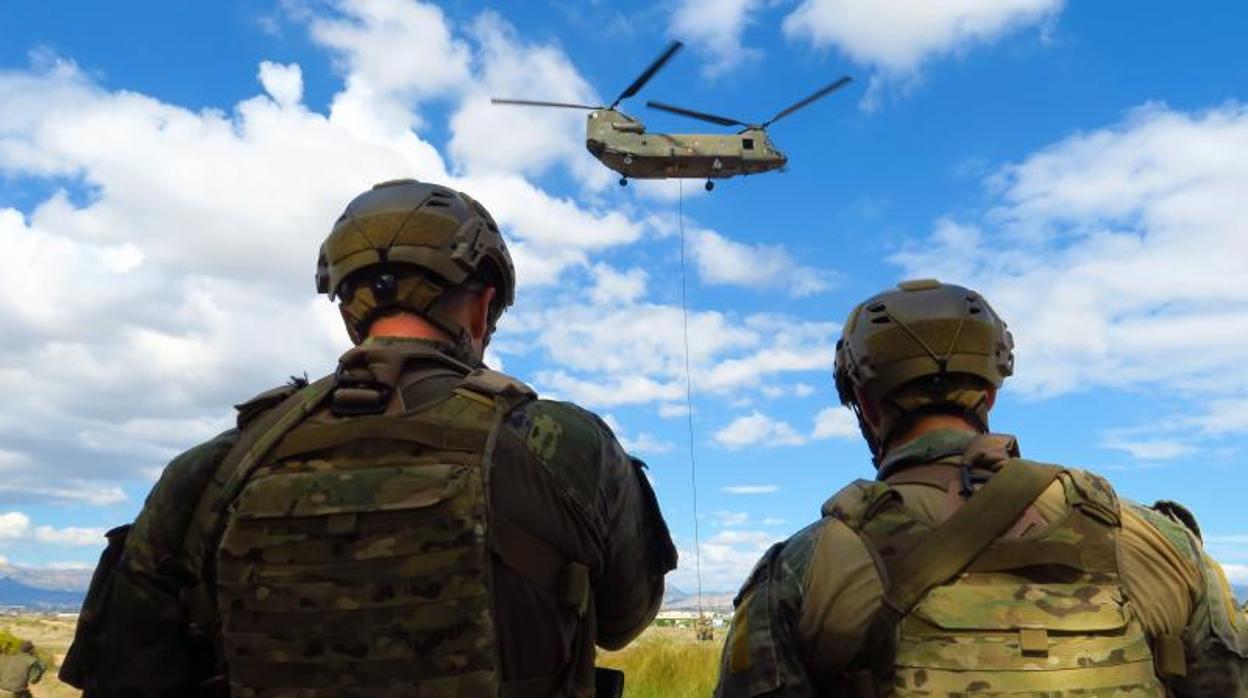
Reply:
x=356 y=559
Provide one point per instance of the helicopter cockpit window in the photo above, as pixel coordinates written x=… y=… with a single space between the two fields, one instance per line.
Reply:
x=747 y=144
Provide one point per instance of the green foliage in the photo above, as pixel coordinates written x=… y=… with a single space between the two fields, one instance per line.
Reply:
x=667 y=663
x=11 y=644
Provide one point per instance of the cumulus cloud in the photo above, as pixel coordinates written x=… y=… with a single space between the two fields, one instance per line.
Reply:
x=757 y=428
x=898 y=36
x=726 y=558
x=721 y=260
x=715 y=27
x=16 y=526
x=1117 y=256
x=835 y=423
x=169 y=304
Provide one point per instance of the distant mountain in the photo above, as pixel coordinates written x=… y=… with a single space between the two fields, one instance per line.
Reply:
x=15 y=593
x=1241 y=592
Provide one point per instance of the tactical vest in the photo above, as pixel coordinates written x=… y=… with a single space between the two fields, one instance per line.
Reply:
x=968 y=611
x=355 y=550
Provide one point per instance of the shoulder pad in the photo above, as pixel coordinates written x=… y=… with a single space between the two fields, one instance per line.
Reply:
x=250 y=409
x=856 y=501
x=1179 y=514
x=499 y=386
x=1094 y=495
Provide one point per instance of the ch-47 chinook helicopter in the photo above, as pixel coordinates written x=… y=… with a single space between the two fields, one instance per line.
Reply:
x=622 y=143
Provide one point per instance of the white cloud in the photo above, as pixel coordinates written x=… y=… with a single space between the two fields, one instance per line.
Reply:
x=773 y=521
x=16 y=526
x=729 y=262
x=757 y=428
x=1149 y=449
x=898 y=35
x=201 y=295
x=835 y=423
x=803 y=390
x=536 y=137
x=727 y=557
x=749 y=489
x=284 y=83
x=612 y=286
x=392 y=53
x=72 y=536
x=730 y=518
x=1116 y=256
x=715 y=27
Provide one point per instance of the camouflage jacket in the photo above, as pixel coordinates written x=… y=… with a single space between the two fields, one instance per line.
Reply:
x=803 y=615
x=558 y=472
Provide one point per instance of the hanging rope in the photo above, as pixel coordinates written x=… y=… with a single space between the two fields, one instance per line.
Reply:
x=693 y=463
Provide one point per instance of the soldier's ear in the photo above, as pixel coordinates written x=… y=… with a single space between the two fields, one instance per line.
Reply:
x=870 y=411
x=991 y=399
x=477 y=312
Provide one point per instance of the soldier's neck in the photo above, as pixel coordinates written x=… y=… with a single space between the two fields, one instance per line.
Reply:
x=407 y=326
x=933 y=422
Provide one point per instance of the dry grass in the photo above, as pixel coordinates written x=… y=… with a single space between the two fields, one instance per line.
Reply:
x=667 y=663
x=662 y=663
x=51 y=635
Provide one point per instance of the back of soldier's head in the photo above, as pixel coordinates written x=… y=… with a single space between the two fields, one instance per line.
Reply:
x=921 y=348
x=409 y=246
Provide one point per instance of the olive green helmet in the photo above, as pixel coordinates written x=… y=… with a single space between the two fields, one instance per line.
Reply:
x=405 y=245
x=921 y=345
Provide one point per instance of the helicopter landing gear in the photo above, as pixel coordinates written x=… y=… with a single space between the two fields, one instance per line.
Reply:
x=623 y=181
x=710 y=186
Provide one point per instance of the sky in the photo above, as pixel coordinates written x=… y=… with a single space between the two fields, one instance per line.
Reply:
x=168 y=171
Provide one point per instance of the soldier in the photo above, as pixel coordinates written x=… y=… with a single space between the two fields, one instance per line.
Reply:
x=19 y=671
x=963 y=569
x=413 y=524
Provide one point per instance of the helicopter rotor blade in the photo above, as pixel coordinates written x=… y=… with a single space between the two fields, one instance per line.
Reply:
x=649 y=73
x=822 y=92
x=535 y=103
x=721 y=120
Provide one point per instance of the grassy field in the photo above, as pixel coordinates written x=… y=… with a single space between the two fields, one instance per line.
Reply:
x=51 y=635
x=667 y=663
x=662 y=663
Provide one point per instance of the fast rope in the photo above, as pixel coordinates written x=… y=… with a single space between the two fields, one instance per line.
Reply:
x=693 y=463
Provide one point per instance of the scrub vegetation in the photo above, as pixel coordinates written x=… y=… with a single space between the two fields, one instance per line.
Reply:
x=667 y=663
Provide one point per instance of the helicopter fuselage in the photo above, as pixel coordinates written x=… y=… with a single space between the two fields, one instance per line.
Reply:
x=622 y=143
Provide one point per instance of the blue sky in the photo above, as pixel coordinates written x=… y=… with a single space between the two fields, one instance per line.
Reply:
x=167 y=171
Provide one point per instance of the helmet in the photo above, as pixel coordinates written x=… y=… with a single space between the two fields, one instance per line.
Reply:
x=920 y=345
x=405 y=244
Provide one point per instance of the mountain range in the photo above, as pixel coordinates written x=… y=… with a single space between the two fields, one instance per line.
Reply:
x=15 y=593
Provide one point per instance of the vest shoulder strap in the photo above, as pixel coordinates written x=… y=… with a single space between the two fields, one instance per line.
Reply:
x=256 y=441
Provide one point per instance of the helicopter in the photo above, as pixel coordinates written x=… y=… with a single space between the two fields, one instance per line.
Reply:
x=622 y=143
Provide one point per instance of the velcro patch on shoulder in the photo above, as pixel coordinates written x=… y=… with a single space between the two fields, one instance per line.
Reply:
x=1095 y=495
x=495 y=384
x=856 y=501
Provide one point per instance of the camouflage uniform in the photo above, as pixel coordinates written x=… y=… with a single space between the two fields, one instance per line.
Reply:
x=558 y=473
x=802 y=618
x=18 y=672
x=412 y=525
x=965 y=570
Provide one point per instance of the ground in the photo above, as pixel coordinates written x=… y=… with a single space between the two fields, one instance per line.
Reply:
x=665 y=662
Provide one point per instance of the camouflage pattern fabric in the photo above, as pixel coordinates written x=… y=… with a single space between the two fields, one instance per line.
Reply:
x=579 y=492
x=802 y=618
x=17 y=672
